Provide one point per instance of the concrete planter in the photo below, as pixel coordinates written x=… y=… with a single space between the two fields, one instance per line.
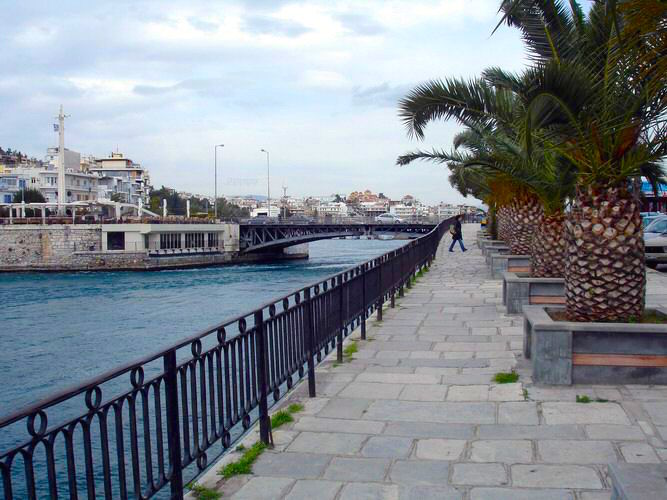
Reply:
x=565 y=353
x=492 y=251
x=502 y=262
x=494 y=247
x=485 y=242
x=520 y=289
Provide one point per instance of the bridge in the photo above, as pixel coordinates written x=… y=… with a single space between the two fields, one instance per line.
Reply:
x=276 y=236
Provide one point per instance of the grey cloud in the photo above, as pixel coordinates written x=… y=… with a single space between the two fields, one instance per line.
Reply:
x=265 y=25
x=360 y=24
x=202 y=25
x=382 y=95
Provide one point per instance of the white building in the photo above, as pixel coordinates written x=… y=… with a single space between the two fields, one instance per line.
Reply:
x=334 y=209
x=122 y=177
x=261 y=211
x=373 y=208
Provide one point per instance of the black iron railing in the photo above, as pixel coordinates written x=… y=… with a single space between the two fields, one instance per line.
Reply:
x=167 y=411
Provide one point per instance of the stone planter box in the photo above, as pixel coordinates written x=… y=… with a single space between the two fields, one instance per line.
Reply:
x=483 y=243
x=497 y=250
x=565 y=353
x=520 y=289
x=502 y=262
x=495 y=247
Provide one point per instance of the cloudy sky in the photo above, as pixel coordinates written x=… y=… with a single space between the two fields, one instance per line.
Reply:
x=315 y=83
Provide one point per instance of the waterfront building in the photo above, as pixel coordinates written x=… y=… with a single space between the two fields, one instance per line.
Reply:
x=373 y=209
x=333 y=209
x=261 y=211
x=121 y=176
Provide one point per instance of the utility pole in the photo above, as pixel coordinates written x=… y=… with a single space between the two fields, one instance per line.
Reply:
x=215 y=195
x=268 y=185
x=285 y=202
x=62 y=189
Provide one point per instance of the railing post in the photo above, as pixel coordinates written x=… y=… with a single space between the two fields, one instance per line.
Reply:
x=309 y=340
x=363 y=302
x=264 y=421
x=341 y=319
x=392 y=302
x=173 y=427
x=381 y=290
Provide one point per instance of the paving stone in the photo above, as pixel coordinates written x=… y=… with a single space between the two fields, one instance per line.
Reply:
x=331 y=443
x=392 y=354
x=523 y=412
x=419 y=471
x=429 y=429
x=345 y=408
x=295 y=465
x=506 y=392
x=366 y=390
x=468 y=393
x=263 y=488
x=338 y=425
x=398 y=378
x=387 y=447
x=577 y=452
x=555 y=476
x=530 y=431
x=369 y=491
x=357 y=469
x=419 y=411
x=469 y=346
x=424 y=355
x=657 y=411
x=416 y=392
x=639 y=453
x=579 y=413
x=615 y=432
x=595 y=495
x=515 y=494
x=440 y=449
x=508 y=452
x=430 y=492
x=458 y=355
x=308 y=489
x=479 y=474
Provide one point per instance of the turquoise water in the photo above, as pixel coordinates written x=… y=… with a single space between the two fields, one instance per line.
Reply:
x=57 y=330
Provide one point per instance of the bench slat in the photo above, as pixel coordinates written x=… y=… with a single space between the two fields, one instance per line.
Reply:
x=619 y=360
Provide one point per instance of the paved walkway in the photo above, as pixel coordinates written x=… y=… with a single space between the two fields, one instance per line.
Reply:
x=415 y=415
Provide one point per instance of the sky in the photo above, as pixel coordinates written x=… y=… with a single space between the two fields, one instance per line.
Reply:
x=314 y=83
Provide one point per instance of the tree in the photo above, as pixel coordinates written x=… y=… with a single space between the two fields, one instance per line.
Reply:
x=595 y=102
x=29 y=195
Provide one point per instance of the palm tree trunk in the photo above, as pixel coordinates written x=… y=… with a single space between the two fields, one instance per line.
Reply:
x=525 y=212
x=492 y=222
x=503 y=223
x=547 y=257
x=605 y=274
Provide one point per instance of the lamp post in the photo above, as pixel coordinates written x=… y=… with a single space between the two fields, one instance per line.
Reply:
x=215 y=194
x=268 y=185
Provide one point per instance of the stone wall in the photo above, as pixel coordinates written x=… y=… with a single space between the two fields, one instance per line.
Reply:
x=78 y=248
x=31 y=246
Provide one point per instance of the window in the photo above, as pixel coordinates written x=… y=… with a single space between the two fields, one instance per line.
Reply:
x=212 y=240
x=170 y=240
x=8 y=198
x=194 y=240
x=116 y=240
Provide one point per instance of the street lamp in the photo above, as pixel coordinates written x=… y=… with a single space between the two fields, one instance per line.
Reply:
x=268 y=185
x=215 y=195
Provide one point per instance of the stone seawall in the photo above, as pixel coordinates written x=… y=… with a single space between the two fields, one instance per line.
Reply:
x=78 y=248
x=50 y=246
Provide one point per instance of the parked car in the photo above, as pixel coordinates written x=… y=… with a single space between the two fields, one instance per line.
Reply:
x=648 y=217
x=657 y=226
x=388 y=218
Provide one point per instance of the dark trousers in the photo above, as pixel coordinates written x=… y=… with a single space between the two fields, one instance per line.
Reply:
x=460 y=240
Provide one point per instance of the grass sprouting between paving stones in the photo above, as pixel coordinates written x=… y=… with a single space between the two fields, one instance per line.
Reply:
x=203 y=493
x=586 y=399
x=244 y=464
x=506 y=377
x=283 y=417
x=348 y=353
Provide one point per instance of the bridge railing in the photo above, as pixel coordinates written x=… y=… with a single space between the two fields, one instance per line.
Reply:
x=143 y=427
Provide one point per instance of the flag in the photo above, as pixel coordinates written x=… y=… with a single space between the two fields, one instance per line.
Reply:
x=56 y=127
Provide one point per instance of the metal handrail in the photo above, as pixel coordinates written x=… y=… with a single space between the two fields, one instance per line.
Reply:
x=208 y=396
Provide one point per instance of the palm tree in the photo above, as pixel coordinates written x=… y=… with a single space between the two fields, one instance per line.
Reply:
x=585 y=100
x=597 y=104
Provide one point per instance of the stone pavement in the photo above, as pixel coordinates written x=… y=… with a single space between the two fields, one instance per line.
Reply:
x=415 y=414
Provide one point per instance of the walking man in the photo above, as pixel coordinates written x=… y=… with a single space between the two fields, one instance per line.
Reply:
x=457 y=234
